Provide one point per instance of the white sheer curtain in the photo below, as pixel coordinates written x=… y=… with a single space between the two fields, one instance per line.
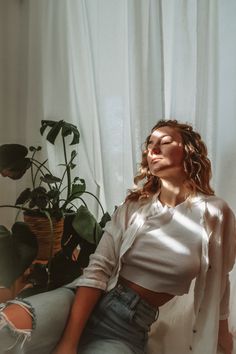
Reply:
x=114 y=68
x=200 y=65
x=97 y=64
x=108 y=67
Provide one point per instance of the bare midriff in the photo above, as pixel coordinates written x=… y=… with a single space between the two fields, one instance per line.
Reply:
x=153 y=298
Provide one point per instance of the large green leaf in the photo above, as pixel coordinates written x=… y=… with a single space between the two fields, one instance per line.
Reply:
x=68 y=129
x=86 y=226
x=45 y=124
x=13 y=160
x=57 y=126
x=10 y=154
x=54 y=131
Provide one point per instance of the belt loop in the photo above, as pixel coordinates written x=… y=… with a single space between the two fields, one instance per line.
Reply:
x=134 y=301
x=130 y=297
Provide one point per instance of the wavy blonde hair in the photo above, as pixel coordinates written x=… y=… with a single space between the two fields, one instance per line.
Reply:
x=197 y=166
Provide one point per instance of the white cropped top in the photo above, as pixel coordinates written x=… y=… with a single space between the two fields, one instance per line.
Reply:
x=166 y=254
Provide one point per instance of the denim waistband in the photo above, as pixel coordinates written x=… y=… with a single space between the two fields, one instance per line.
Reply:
x=134 y=300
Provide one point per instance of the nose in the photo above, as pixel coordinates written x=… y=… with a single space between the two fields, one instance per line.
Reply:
x=155 y=149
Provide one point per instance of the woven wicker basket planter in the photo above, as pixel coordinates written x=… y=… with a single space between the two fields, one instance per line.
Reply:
x=40 y=226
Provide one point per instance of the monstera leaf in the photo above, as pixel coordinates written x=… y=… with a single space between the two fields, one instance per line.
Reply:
x=59 y=126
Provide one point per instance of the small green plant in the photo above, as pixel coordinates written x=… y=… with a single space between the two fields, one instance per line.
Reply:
x=45 y=195
x=49 y=195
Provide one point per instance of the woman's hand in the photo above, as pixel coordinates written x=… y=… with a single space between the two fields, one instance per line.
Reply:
x=225 y=338
x=85 y=300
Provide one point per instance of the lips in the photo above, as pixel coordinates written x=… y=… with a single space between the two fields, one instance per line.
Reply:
x=156 y=159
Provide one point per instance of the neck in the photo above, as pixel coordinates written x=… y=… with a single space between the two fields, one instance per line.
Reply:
x=173 y=192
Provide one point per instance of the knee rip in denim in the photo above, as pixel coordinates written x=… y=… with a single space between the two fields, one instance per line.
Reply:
x=21 y=335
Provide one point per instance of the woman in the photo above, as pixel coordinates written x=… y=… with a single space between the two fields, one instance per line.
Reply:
x=167 y=252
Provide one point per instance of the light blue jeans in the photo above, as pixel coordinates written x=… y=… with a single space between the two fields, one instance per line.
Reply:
x=119 y=324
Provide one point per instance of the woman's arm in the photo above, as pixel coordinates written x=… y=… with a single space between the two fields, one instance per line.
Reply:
x=225 y=338
x=85 y=300
x=95 y=278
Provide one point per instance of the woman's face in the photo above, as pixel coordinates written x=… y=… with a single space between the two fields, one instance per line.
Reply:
x=166 y=153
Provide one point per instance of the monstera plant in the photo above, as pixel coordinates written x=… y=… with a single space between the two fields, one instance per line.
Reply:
x=53 y=199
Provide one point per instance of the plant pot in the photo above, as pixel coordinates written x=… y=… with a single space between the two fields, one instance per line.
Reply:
x=40 y=226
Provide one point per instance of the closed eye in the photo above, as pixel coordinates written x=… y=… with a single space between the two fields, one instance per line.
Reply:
x=166 y=140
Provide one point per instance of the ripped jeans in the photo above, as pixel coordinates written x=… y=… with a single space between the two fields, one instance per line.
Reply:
x=119 y=324
x=49 y=313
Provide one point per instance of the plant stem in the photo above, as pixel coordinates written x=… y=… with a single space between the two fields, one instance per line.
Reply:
x=67 y=169
x=66 y=172
x=86 y=192
x=51 y=248
x=31 y=169
x=39 y=169
x=41 y=164
x=67 y=203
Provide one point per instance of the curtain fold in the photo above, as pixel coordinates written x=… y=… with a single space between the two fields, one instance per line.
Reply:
x=179 y=41
x=114 y=68
x=99 y=65
x=206 y=117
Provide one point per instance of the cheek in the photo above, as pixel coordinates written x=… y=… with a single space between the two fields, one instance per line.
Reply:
x=178 y=156
x=174 y=153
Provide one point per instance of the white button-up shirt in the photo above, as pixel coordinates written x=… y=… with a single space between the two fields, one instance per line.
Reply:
x=188 y=323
